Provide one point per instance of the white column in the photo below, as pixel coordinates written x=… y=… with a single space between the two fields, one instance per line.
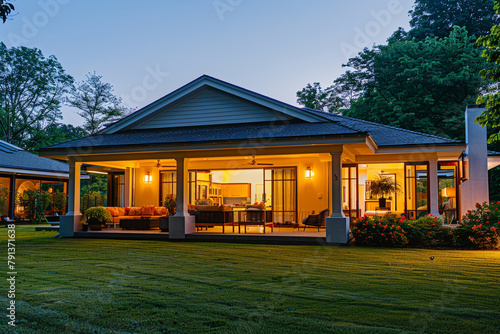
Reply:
x=337 y=210
x=182 y=222
x=181 y=209
x=128 y=187
x=433 y=187
x=337 y=226
x=71 y=222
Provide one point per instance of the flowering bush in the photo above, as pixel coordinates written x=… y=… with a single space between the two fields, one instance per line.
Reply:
x=479 y=227
x=398 y=232
x=379 y=231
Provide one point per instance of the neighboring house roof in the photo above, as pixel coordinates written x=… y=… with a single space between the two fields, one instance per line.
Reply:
x=207 y=96
x=13 y=157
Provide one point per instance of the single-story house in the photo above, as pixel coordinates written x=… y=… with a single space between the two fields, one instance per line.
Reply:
x=21 y=171
x=212 y=140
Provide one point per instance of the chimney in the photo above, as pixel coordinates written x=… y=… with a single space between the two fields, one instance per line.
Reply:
x=475 y=189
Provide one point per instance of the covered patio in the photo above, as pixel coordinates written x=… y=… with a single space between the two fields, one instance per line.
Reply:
x=268 y=172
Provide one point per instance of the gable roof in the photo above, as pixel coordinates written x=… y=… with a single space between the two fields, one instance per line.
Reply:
x=192 y=89
x=210 y=134
x=295 y=123
x=13 y=157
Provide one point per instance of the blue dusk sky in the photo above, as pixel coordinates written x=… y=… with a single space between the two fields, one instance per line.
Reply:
x=147 y=49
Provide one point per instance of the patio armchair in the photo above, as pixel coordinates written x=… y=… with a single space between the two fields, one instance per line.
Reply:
x=318 y=220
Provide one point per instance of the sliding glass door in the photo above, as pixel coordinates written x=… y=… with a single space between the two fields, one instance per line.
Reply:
x=280 y=193
x=416 y=190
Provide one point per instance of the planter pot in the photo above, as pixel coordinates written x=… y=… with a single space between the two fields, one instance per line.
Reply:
x=94 y=224
x=382 y=202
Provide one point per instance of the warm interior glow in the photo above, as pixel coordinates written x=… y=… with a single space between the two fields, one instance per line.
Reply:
x=148 y=178
x=309 y=173
x=448 y=192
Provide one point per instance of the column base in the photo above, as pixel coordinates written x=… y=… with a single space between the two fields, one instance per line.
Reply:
x=337 y=230
x=179 y=226
x=69 y=224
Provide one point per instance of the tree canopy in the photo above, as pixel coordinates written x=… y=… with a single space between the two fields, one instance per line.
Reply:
x=96 y=103
x=419 y=85
x=6 y=9
x=437 y=18
x=491 y=72
x=31 y=90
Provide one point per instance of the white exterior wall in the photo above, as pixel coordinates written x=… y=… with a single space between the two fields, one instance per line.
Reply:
x=475 y=189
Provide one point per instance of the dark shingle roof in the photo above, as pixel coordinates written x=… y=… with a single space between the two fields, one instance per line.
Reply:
x=219 y=133
x=385 y=135
x=16 y=158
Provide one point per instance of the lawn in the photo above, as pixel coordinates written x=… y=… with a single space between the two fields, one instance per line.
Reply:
x=119 y=286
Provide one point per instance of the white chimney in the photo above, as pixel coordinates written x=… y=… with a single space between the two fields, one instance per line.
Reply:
x=475 y=189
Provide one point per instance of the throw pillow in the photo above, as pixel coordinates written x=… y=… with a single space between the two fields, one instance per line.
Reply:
x=148 y=210
x=113 y=211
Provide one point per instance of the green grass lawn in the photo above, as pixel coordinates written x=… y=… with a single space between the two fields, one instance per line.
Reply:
x=119 y=286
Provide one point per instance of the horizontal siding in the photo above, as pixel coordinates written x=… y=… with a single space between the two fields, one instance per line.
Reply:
x=211 y=107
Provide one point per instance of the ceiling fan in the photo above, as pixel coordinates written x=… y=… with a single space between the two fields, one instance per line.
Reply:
x=158 y=165
x=254 y=163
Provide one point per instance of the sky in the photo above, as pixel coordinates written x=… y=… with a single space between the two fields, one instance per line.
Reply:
x=146 y=49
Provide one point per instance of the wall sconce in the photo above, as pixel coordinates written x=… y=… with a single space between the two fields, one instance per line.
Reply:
x=148 y=178
x=309 y=173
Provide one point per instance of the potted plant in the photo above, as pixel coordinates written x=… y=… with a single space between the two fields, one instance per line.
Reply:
x=96 y=217
x=170 y=203
x=383 y=186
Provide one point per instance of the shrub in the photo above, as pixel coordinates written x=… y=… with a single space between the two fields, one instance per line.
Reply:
x=479 y=227
x=378 y=231
x=4 y=199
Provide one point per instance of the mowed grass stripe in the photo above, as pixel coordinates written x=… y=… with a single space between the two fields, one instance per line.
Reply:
x=85 y=285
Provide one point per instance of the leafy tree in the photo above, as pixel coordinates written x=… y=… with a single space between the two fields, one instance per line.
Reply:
x=31 y=88
x=491 y=71
x=315 y=97
x=5 y=9
x=436 y=18
x=54 y=133
x=418 y=85
x=96 y=103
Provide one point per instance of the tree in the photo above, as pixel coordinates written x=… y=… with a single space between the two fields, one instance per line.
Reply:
x=31 y=90
x=52 y=134
x=436 y=18
x=491 y=72
x=418 y=85
x=5 y=9
x=314 y=97
x=96 y=103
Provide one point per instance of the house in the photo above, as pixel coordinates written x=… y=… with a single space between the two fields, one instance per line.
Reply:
x=21 y=171
x=213 y=140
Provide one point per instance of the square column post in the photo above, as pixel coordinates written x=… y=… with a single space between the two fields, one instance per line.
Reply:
x=128 y=187
x=433 y=188
x=337 y=225
x=71 y=222
x=182 y=222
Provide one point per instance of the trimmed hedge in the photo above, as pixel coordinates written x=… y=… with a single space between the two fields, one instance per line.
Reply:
x=477 y=230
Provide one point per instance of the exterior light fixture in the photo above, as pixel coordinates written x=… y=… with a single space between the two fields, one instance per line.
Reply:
x=148 y=178
x=309 y=173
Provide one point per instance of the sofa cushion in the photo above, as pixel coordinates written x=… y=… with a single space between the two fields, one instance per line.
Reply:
x=121 y=211
x=225 y=208
x=161 y=211
x=134 y=211
x=147 y=210
x=113 y=211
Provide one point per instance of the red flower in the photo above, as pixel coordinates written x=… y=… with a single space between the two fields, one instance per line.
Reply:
x=478 y=205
